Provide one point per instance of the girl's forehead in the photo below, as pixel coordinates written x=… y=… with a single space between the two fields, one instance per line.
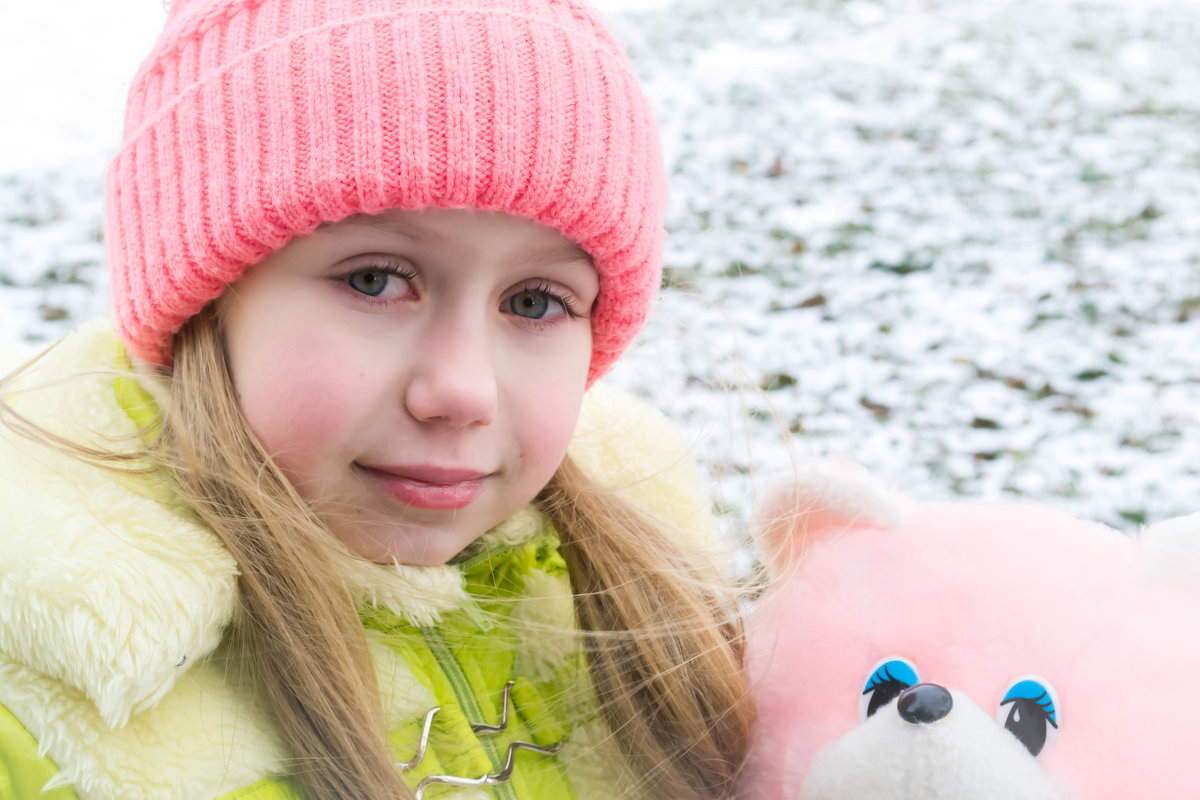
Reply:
x=450 y=227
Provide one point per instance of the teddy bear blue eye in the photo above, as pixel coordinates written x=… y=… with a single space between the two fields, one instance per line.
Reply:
x=887 y=680
x=1030 y=711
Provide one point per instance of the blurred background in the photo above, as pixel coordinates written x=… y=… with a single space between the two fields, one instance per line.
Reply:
x=957 y=241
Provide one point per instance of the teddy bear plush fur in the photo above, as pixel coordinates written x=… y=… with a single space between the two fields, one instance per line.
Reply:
x=1054 y=658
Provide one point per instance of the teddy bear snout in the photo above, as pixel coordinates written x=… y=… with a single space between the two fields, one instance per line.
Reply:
x=923 y=703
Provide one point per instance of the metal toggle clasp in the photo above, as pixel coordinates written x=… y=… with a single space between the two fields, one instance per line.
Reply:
x=422 y=745
x=491 y=779
x=484 y=729
x=480 y=729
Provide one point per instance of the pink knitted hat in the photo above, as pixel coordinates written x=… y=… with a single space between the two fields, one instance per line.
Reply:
x=254 y=121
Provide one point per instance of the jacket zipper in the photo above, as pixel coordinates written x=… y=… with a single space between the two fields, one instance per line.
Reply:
x=466 y=701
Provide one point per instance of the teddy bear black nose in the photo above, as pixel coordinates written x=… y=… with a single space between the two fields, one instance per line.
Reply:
x=924 y=703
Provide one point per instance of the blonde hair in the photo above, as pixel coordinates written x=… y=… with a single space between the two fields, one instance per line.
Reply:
x=664 y=640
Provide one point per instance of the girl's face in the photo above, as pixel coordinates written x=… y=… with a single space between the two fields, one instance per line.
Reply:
x=416 y=375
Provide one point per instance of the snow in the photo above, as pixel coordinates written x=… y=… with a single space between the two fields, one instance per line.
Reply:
x=65 y=66
x=956 y=240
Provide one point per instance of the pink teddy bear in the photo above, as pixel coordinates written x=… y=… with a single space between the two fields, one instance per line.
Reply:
x=970 y=651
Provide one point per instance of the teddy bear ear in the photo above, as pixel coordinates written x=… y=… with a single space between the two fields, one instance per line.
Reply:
x=817 y=499
x=1172 y=548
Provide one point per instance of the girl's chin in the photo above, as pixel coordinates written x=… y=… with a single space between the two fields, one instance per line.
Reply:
x=420 y=547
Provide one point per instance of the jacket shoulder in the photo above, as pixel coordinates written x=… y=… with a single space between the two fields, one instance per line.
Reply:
x=623 y=443
x=23 y=772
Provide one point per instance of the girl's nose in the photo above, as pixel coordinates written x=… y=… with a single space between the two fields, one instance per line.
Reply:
x=453 y=379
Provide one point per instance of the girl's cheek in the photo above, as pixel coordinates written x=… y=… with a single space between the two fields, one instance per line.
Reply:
x=559 y=418
x=301 y=396
x=549 y=427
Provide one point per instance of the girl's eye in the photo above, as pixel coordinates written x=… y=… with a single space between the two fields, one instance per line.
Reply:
x=887 y=680
x=539 y=303
x=530 y=304
x=1032 y=712
x=370 y=282
x=386 y=280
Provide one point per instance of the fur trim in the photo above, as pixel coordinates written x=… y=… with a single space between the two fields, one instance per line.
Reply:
x=544 y=623
x=204 y=738
x=416 y=593
x=625 y=444
x=106 y=589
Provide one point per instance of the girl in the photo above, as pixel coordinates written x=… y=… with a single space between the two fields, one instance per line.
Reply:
x=306 y=524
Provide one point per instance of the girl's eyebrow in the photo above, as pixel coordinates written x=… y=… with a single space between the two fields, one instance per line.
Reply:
x=389 y=225
x=551 y=255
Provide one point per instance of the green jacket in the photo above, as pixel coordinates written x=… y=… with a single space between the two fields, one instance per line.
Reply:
x=114 y=681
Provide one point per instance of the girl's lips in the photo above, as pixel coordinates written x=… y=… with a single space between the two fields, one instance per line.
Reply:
x=433 y=488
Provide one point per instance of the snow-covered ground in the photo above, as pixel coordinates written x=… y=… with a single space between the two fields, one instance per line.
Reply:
x=956 y=240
